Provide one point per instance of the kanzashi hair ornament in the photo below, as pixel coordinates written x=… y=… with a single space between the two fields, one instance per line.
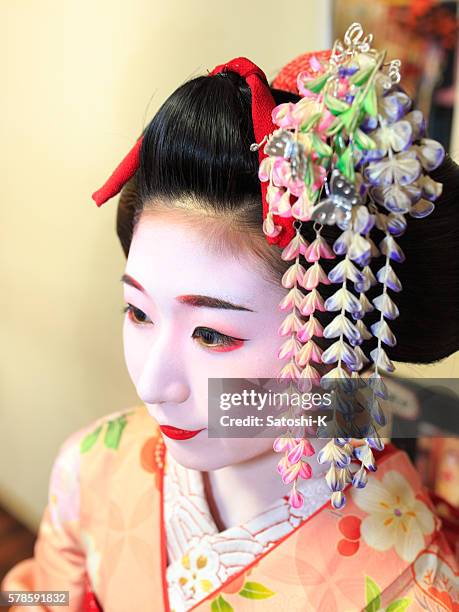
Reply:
x=352 y=153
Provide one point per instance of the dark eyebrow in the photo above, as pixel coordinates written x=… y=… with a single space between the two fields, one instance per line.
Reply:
x=200 y=301
x=209 y=302
x=131 y=281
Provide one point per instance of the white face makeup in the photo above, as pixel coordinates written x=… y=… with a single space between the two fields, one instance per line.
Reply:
x=172 y=347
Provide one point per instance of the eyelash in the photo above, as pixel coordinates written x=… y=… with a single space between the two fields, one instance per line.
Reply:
x=223 y=340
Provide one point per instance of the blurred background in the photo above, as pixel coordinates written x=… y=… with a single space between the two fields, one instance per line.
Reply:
x=422 y=34
x=81 y=80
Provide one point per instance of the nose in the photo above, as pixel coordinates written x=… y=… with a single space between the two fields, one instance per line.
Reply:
x=163 y=378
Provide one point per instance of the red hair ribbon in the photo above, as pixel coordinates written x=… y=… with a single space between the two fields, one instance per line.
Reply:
x=122 y=173
x=262 y=106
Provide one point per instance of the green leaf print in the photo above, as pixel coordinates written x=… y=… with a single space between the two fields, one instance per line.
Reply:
x=336 y=126
x=321 y=148
x=335 y=105
x=361 y=77
x=372 y=595
x=346 y=164
x=88 y=441
x=317 y=84
x=399 y=605
x=370 y=102
x=112 y=435
x=348 y=117
x=311 y=122
x=363 y=141
x=255 y=590
x=221 y=605
x=114 y=430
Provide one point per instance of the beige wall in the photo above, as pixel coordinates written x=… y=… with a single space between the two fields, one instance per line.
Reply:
x=80 y=79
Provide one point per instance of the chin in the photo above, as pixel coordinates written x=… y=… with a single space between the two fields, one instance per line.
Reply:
x=196 y=459
x=217 y=453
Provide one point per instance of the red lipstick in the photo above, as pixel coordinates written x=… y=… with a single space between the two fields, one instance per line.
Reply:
x=179 y=434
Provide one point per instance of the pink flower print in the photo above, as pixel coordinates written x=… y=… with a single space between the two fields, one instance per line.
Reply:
x=290 y=472
x=264 y=169
x=282 y=177
x=296 y=499
x=311 y=328
x=291 y=466
x=314 y=276
x=290 y=371
x=319 y=176
x=269 y=227
x=325 y=122
x=302 y=448
x=343 y=87
x=284 y=443
x=310 y=351
x=302 y=208
x=305 y=109
x=273 y=195
x=318 y=249
x=316 y=66
x=282 y=115
x=311 y=302
x=310 y=378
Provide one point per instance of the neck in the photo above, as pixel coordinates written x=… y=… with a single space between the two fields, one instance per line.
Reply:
x=239 y=492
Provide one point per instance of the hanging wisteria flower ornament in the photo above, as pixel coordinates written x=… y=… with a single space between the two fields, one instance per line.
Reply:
x=293 y=464
x=353 y=153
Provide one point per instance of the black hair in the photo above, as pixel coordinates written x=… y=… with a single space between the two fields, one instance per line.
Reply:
x=196 y=147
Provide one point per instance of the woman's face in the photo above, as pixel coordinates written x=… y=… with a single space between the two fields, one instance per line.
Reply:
x=174 y=342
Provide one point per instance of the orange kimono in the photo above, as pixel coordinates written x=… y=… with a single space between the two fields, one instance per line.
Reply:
x=127 y=529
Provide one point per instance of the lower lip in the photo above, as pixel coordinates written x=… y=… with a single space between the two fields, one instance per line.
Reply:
x=179 y=434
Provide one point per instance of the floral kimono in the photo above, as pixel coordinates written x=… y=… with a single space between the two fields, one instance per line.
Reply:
x=128 y=529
